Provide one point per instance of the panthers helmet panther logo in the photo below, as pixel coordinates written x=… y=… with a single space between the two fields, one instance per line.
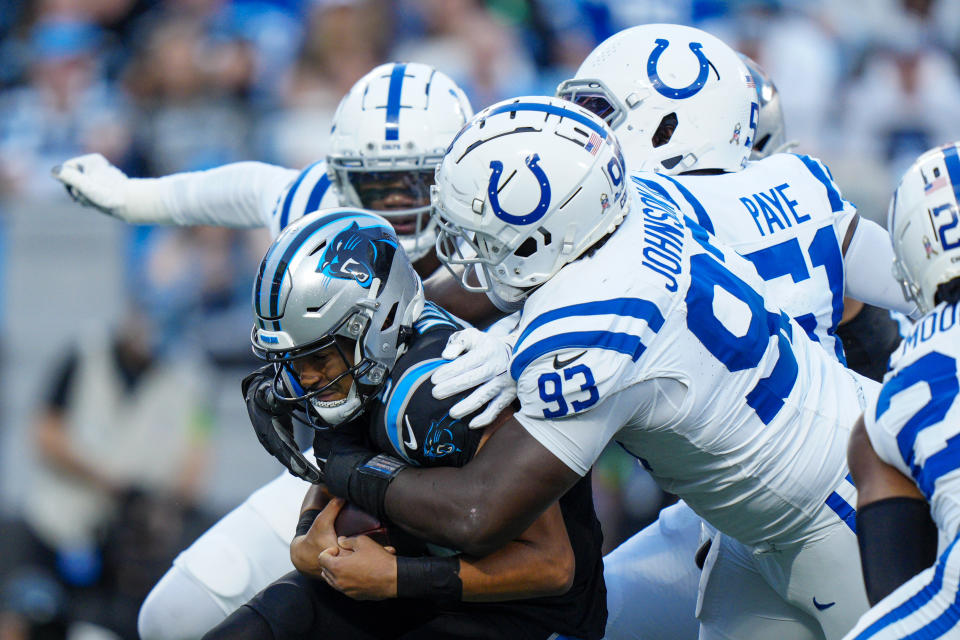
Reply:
x=359 y=253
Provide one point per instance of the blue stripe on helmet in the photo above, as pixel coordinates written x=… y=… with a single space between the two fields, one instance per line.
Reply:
x=393 y=101
x=555 y=110
x=953 y=168
x=279 y=264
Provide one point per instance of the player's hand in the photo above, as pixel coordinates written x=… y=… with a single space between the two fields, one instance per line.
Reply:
x=273 y=425
x=305 y=550
x=93 y=182
x=480 y=359
x=361 y=569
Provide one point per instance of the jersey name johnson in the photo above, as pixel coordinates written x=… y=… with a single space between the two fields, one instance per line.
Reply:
x=786 y=215
x=689 y=366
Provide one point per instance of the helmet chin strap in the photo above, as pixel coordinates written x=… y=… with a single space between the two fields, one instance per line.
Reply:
x=339 y=411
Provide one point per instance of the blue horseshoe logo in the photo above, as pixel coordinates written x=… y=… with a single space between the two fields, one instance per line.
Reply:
x=538 y=211
x=670 y=92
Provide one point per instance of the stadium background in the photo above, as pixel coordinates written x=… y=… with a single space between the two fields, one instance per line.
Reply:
x=166 y=86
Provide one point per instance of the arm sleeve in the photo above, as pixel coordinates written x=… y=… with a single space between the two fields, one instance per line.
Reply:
x=897 y=540
x=242 y=194
x=869 y=276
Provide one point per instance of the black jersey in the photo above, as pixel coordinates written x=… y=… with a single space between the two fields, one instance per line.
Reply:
x=409 y=423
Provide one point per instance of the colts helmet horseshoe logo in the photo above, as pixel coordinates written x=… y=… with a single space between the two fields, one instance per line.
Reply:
x=676 y=93
x=538 y=211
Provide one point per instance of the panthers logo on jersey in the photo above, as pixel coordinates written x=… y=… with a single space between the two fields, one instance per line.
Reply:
x=359 y=253
x=440 y=441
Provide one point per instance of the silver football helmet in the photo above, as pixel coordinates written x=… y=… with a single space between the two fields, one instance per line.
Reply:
x=335 y=277
x=771 y=135
x=388 y=136
x=923 y=225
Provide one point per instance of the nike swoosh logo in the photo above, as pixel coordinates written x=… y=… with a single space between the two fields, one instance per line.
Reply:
x=410 y=444
x=560 y=364
x=821 y=607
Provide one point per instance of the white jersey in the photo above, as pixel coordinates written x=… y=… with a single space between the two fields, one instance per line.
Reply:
x=662 y=340
x=786 y=215
x=308 y=191
x=914 y=425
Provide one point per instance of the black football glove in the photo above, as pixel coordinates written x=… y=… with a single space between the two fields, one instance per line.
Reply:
x=273 y=424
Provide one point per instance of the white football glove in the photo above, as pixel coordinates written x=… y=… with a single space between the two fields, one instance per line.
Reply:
x=93 y=182
x=478 y=358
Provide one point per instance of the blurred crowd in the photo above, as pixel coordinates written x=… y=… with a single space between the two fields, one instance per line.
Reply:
x=162 y=86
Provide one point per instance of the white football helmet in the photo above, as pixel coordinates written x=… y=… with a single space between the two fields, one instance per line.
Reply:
x=678 y=98
x=771 y=136
x=388 y=135
x=335 y=272
x=526 y=187
x=923 y=224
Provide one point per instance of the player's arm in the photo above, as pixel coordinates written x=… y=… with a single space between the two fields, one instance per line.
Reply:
x=896 y=535
x=241 y=194
x=315 y=532
x=539 y=563
x=525 y=466
x=476 y=508
x=476 y=308
x=867 y=259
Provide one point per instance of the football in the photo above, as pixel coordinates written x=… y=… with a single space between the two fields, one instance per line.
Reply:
x=354 y=521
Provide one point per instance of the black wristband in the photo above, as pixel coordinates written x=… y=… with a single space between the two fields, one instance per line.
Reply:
x=306 y=521
x=340 y=465
x=362 y=478
x=898 y=540
x=369 y=482
x=429 y=578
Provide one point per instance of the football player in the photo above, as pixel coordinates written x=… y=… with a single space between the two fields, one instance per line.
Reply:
x=389 y=133
x=687 y=107
x=636 y=326
x=903 y=451
x=340 y=317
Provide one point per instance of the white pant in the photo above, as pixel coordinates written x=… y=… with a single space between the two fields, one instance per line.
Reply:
x=652 y=580
x=926 y=606
x=655 y=591
x=808 y=591
x=241 y=554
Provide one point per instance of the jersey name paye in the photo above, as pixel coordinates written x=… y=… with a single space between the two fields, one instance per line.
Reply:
x=661 y=339
x=784 y=214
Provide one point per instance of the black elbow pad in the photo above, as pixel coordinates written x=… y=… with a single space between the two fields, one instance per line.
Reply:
x=898 y=540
